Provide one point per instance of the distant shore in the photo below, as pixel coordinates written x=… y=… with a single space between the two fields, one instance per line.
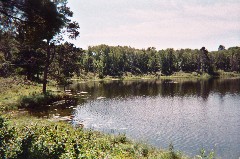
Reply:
x=193 y=75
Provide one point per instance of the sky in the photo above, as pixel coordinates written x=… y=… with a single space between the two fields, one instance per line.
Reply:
x=157 y=23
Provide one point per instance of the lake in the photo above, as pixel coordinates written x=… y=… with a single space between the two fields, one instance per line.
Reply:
x=190 y=114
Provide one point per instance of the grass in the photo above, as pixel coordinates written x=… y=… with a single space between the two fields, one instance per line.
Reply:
x=28 y=137
x=39 y=100
x=158 y=75
x=228 y=74
x=193 y=75
x=14 y=90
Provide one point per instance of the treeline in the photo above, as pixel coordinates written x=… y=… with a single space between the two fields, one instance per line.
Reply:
x=117 y=60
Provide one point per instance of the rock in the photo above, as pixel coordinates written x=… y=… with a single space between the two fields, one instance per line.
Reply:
x=83 y=92
x=101 y=98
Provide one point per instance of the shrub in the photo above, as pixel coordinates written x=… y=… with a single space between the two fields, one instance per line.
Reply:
x=37 y=100
x=28 y=138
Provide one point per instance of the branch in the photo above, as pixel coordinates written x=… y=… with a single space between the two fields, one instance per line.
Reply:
x=21 y=20
x=11 y=16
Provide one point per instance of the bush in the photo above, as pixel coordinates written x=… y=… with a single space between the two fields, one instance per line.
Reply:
x=6 y=69
x=31 y=138
x=37 y=100
x=6 y=139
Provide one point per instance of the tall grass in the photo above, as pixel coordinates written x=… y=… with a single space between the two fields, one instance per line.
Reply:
x=15 y=91
x=38 y=100
x=31 y=138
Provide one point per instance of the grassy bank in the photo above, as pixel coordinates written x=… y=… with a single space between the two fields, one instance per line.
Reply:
x=129 y=76
x=28 y=137
x=17 y=93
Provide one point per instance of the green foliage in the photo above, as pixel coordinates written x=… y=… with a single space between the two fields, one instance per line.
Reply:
x=37 y=100
x=173 y=154
x=31 y=63
x=204 y=155
x=6 y=139
x=117 y=60
x=66 y=63
x=27 y=138
x=121 y=138
x=6 y=69
x=34 y=25
x=8 y=49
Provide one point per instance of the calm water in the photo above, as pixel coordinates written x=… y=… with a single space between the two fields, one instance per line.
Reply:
x=189 y=114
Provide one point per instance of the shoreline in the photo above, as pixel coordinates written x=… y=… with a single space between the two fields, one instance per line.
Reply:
x=177 y=75
x=15 y=88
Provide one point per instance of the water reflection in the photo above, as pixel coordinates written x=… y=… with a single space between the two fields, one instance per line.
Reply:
x=165 y=88
x=142 y=88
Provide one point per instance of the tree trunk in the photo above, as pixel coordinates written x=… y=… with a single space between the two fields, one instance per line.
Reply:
x=44 y=89
x=45 y=72
x=199 y=61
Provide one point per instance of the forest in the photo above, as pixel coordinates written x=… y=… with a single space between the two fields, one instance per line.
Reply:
x=117 y=60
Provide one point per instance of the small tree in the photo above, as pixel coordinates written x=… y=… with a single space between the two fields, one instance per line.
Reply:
x=205 y=61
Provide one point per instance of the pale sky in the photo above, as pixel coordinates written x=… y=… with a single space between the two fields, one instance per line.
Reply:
x=158 y=23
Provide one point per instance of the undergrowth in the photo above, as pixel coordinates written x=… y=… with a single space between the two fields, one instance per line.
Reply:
x=15 y=91
x=31 y=138
x=37 y=100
